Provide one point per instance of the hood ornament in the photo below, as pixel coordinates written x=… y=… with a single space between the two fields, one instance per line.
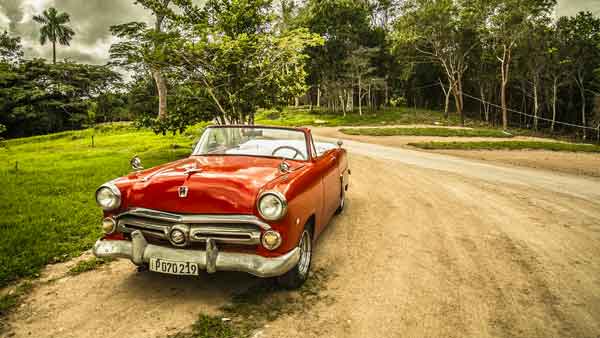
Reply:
x=183 y=191
x=284 y=167
x=192 y=169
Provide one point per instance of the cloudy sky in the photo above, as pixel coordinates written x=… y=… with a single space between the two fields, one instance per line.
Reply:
x=92 y=18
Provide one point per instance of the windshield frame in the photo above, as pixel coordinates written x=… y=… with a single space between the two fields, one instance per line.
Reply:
x=304 y=132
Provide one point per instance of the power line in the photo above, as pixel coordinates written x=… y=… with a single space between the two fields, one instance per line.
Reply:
x=525 y=114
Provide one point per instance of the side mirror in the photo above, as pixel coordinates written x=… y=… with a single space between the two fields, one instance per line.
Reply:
x=340 y=143
x=136 y=163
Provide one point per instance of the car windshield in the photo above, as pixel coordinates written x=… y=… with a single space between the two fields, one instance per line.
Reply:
x=253 y=141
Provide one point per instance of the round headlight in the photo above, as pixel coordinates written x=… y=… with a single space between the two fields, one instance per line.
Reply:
x=272 y=206
x=108 y=197
x=271 y=240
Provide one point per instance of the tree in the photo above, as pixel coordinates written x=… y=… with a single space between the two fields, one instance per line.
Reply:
x=286 y=15
x=223 y=61
x=54 y=29
x=142 y=48
x=505 y=25
x=442 y=33
x=484 y=77
x=560 y=64
x=535 y=51
x=360 y=67
x=11 y=50
x=345 y=26
x=241 y=64
x=160 y=9
x=583 y=34
x=37 y=98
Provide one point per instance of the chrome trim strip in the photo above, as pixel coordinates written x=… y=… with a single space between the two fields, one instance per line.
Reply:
x=221 y=235
x=195 y=219
x=140 y=252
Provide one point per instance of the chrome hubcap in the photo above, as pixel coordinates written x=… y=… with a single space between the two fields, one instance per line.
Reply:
x=305 y=253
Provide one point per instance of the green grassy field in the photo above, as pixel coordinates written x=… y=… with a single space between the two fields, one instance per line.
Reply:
x=509 y=145
x=442 y=132
x=47 y=207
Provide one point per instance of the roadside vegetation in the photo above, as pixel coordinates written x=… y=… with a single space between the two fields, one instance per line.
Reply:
x=47 y=208
x=509 y=145
x=88 y=265
x=442 y=132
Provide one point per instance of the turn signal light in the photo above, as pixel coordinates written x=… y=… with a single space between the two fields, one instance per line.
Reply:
x=109 y=225
x=271 y=240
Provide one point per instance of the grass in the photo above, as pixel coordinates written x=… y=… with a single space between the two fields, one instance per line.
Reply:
x=306 y=117
x=509 y=145
x=88 y=265
x=47 y=208
x=257 y=306
x=443 y=132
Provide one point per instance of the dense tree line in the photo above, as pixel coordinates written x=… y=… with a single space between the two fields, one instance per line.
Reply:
x=507 y=62
x=39 y=98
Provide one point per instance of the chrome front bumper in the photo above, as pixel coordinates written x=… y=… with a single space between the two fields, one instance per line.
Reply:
x=140 y=252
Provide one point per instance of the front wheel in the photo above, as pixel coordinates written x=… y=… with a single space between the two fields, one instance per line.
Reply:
x=342 y=201
x=294 y=278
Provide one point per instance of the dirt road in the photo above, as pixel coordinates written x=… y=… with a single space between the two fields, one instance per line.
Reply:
x=429 y=246
x=566 y=162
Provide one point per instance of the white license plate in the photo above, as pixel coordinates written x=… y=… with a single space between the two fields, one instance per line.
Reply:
x=173 y=267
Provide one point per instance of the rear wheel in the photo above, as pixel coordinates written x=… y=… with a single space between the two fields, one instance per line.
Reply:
x=294 y=278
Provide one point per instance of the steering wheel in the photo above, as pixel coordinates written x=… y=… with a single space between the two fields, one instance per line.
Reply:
x=295 y=150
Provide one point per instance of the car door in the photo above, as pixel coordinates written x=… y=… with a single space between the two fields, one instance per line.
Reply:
x=331 y=182
x=328 y=167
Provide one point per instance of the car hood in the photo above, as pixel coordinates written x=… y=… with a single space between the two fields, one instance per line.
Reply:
x=215 y=184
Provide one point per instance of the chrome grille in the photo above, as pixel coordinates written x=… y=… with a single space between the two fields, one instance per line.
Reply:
x=232 y=229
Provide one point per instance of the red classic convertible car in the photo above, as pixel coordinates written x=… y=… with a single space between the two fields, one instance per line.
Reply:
x=249 y=198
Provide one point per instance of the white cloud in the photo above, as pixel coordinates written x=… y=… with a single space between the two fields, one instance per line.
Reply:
x=4 y=21
x=34 y=7
x=571 y=7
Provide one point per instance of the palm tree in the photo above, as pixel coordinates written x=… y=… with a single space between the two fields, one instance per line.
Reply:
x=54 y=29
